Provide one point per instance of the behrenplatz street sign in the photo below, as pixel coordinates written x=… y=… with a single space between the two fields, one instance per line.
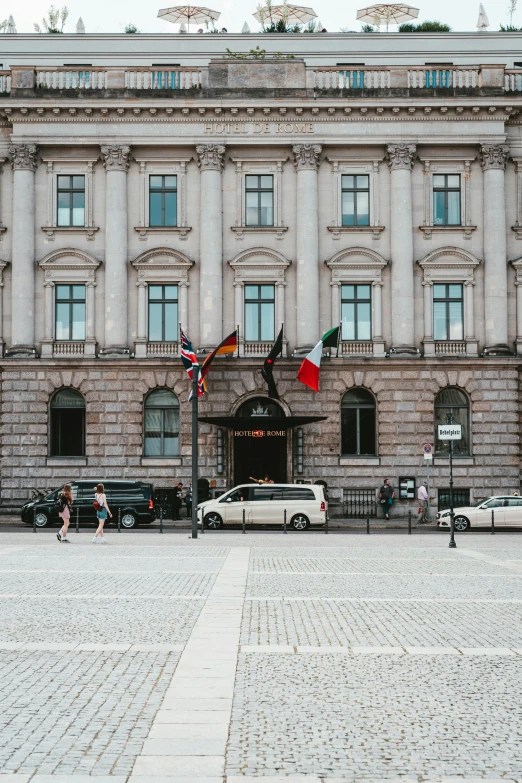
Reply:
x=450 y=431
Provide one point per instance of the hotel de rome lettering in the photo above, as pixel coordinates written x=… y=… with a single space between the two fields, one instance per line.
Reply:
x=373 y=181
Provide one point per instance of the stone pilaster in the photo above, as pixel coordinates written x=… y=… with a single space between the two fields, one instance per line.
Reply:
x=211 y=159
x=116 y=160
x=306 y=162
x=401 y=158
x=493 y=158
x=23 y=162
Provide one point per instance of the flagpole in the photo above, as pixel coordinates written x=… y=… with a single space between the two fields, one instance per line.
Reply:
x=195 y=398
x=339 y=339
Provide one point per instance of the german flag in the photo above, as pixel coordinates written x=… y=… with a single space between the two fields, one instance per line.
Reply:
x=229 y=345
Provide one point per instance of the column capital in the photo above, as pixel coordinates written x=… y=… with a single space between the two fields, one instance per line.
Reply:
x=90 y=284
x=116 y=157
x=306 y=156
x=469 y=283
x=401 y=156
x=142 y=284
x=494 y=156
x=377 y=283
x=23 y=156
x=239 y=284
x=48 y=284
x=211 y=156
x=428 y=283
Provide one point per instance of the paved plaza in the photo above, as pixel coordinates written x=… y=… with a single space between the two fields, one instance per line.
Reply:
x=261 y=657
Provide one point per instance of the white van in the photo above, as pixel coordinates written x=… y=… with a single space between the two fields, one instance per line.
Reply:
x=265 y=504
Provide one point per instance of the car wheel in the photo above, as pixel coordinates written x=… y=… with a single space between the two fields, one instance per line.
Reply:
x=41 y=519
x=461 y=524
x=213 y=521
x=300 y=522
x=128 y=520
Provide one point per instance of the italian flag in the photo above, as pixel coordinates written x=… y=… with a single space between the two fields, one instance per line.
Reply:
x=309 y=370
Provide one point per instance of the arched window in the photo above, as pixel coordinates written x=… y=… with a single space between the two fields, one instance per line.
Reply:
x=161 y=424
x=452 y=400
x=67 y=424
x=358 y=431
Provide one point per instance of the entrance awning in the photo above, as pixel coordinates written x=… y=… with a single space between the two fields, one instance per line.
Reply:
x=261 y=422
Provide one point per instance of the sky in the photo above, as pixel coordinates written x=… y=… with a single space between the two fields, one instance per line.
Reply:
x=100 y=16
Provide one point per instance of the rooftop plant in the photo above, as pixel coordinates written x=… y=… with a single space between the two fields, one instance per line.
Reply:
x=425 y=27
x=55 y=20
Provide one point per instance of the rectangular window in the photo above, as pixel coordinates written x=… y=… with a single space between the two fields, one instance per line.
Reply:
x=355 y=197
x=356 y=312
x=70 y=312
x=259 y=200
x=446 y=200
x=448 y=311
x=163 y=313
x=163 y=200
x=259 y=313
x=71 y=200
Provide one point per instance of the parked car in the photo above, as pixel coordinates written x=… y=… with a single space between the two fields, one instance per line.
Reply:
x=134 y=499
x=265 y=504
x=507 y=508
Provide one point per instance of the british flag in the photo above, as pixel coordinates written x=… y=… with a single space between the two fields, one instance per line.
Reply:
x=190 y=362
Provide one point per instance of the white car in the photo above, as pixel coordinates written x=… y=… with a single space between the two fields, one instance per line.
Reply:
x=265 y=504
x=507 y=512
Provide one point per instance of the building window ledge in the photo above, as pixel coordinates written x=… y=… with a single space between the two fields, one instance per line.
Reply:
x=161 y=462
x=251 y=349
x=429 y=230
x=66 y=462
x=89 y=231
x=181 y=230
x=239 y=231
x=359 y=461
x=338 y=230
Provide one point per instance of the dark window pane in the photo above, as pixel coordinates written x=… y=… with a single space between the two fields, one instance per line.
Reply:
x=267 y=292
x=363 y=291
x=439 y=291
x=348 y=181
x=155 y=209
x=367 y=430
x=171 y=207
x=64 y=182
x=155 y=322
x=349 y=430
x=348 y=206
x=251 y=322
x=63 y=291
x=266 y=492
x=362 y=181
x=439 y=209
x=251 y=291
x=439 y=321
x=348 y=320
x=439 y=181
x=363 y=209
x=364 y=321
x=348 y=291
x=450 y=396
x=456 y=321
x=358 y=397
x=453 y=180
x=455 y=291
x=252 y=211
x=171 y=292
x=298 y=493
x=64 y=209
x=267 y=321
x=171 y=321
x=68 y=432
x=267 y=181
x=267 y=209
x=454 y=209
x=162 y=398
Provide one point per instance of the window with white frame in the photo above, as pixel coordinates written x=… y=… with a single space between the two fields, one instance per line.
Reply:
x=447 y=195
x=163 y=313
x=259 y=313
x=355 y=188
x=70 y=312
x=356 y=312
x=162 y=201
x=259 y=195
x=71 y=200
x=355 y=199
x=446 y=200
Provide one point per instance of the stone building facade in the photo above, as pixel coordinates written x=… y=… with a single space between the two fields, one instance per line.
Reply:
x=223 y=193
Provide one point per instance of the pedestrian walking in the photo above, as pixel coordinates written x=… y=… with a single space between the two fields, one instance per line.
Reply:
x=188 y=501
x=64 y=505
x=387 y=496
x=102 y=509
x=424 y=500
x=178 y=501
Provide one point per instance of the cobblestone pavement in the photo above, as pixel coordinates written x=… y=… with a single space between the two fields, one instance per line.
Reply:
x=235 y=659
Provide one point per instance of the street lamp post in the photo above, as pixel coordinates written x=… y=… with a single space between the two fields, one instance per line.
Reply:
x=452 y=544
x=195 y=455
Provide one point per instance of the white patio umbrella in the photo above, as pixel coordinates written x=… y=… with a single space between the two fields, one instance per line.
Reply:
x=188 y=14
x=245 y=29
x=391 y=13
x=80 y=27
x=11 y=27
x=292 y=14
x=483 y=21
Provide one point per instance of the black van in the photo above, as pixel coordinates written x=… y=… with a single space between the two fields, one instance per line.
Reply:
x=135 y=500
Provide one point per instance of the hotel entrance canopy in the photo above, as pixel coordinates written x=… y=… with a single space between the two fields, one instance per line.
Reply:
x=261 y=422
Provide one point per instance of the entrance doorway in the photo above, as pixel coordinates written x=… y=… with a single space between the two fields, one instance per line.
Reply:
x=258 y=449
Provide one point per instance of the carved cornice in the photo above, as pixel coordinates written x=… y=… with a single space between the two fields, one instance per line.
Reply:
x=61 y=259
x=156 y=258
x=401 y=156
x=23 y=156
x=260 y=258
x=211 y=157
x=306 y=156
x=494 y=156
x=351 y=258
x=116 y=157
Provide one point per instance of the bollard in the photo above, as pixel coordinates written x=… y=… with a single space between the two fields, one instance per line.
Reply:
x=34 y=521
x=77 y=520
x=244 y=531
x=119 y=520
x=368 y=526
x=161 y=519
x=326 y=523
x=284 y=523
x=492 y=522
x=409 y=522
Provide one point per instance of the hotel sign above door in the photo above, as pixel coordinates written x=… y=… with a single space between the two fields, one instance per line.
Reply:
x=260 y=433
x=257 y=128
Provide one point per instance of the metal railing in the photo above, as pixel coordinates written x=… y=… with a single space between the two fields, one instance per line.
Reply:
x=67 y=79
x=149 y=79
x=461 y=497
x=359 y=503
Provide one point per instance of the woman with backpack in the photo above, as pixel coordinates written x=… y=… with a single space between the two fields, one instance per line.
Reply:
x=64 y=511
x=102 y=509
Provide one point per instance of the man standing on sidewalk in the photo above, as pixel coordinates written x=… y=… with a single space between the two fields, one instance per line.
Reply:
x=424 y=500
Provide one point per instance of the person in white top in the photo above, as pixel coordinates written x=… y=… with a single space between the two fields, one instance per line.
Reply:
x=423 y=498
x=102 y=509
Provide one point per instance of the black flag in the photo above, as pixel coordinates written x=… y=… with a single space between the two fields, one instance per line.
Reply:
x=268 y=366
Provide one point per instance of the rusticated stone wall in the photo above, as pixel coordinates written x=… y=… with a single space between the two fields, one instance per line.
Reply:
x=404 y=392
